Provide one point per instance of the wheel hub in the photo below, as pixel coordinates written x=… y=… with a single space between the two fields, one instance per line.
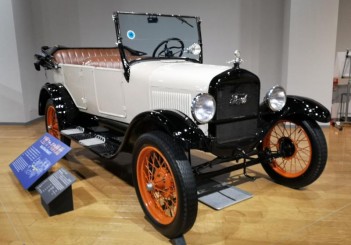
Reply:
x=150 y=186
x=287 y=147
x=162 y=180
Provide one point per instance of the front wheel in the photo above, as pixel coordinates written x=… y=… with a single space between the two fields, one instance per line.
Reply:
x=303 y=150
x=165 y=184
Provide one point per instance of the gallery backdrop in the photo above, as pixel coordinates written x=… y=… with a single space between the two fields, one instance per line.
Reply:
x=287 y=42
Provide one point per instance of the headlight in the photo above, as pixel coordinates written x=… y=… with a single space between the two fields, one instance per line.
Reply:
x=276 y=98
x=194 y=49
x=203 y=108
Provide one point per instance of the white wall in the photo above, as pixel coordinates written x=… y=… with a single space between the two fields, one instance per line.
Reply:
x=344 y=26
x=11 y=100
x=309 y=41
x=19 y=88
x=30 y=81
x=56 y=22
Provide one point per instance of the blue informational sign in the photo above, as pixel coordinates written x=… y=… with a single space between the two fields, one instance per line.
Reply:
x=38 y=159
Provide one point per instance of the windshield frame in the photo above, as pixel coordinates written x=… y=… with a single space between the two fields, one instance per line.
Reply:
x=126 y=64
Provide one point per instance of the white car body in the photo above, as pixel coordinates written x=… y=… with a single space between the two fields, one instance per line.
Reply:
x=167 y=84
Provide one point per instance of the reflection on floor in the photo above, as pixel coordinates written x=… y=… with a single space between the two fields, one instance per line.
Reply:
x=107 y=210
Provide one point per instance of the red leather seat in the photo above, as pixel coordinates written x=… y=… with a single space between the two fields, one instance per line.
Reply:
x=98 y=57
x=77 y=56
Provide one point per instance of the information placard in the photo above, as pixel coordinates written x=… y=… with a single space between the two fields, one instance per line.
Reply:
x=55 y=184
x=38 y=159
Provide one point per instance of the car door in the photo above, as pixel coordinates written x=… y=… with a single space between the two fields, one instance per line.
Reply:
x=75 y=78
x=109 y=90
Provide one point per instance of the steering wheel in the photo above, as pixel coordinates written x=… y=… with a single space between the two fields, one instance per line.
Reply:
x=169 y=51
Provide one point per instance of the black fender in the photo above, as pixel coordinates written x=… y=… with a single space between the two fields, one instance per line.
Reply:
x=297 y=107
x=176 y=124
x=64 y=104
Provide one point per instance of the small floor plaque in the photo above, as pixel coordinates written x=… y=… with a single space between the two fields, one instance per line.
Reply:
x=56 y=192
x=220 y=195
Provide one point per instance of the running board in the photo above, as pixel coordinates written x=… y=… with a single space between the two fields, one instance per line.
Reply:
x=102 y=142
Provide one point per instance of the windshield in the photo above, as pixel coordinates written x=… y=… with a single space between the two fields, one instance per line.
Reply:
x=159 y=36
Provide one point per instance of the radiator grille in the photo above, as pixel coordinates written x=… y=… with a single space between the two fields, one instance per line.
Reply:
x=171 y=100
x=237 y=121
x=225 y=94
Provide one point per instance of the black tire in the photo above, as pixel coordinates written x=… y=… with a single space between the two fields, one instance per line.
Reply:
x=52 y=123
x=304 y=150
x=164 y=184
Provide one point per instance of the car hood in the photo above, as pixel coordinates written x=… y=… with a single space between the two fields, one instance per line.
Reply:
x=178 y=74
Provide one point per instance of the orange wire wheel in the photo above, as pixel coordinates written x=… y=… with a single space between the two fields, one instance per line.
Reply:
x=294 y=144
x=52 y=122
x=52 y=125
x=164 y=183
x=156 y=184
x=302 y=152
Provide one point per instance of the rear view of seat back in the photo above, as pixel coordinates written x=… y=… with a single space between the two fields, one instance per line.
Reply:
x=77 y=56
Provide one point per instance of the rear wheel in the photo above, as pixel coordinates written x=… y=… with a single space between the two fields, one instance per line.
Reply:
x=165 y=184
x=52 y=123
x=303 y=149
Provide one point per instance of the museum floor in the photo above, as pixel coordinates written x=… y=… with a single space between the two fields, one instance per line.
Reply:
x=106 y=209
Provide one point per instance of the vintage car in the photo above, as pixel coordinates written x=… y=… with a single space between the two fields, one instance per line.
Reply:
x=151 y=95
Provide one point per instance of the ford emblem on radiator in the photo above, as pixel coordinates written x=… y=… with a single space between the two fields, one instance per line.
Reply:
x=238 y=99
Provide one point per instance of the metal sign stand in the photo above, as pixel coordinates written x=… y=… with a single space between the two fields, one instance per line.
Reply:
x=346 y=74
